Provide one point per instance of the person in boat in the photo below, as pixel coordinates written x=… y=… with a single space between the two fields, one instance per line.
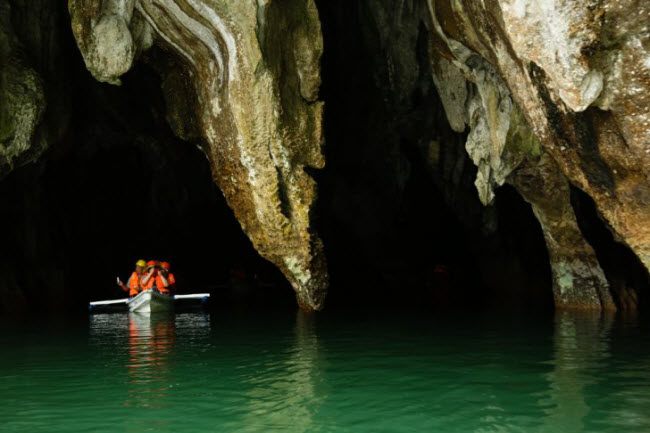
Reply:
x=165 y=272
x=133 y=285
x=149 y=276
x=156 y=278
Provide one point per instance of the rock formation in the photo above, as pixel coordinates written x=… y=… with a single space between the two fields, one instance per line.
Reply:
x=249 y=75
x=580 y=75
x=22 y=100
x=578 y=280
x=34 y=93
x=548 y=94
x=541 y=98
x=504 y=149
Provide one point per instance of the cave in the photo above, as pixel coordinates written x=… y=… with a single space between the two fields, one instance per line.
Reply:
x=118 y=186
x=401 y=206
x=381 y=215
x=387 y=216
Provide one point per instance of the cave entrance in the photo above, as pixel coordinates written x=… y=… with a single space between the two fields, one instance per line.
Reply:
x=118 y=187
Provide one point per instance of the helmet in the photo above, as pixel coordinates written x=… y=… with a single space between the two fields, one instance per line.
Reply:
x=151 y=263
x=141 y=263
x=166 y=265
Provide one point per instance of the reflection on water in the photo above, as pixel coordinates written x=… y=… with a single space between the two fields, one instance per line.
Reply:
x=151 y=342
x=146 y=345
x=284 y=392
x=148 y=342
x=312 y=373
x=581 y=344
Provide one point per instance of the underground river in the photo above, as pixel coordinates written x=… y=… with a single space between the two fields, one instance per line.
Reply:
x=281 y=372
x=409 y=215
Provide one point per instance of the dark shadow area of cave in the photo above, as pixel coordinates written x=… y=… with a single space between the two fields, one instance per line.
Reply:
x=387 y=217
x=119 y=187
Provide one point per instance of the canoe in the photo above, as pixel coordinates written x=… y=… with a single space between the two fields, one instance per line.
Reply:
x=150 y=301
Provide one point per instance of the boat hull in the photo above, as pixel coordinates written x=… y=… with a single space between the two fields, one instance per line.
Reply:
x=151 y=301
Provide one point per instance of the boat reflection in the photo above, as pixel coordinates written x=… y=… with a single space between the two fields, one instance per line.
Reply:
x=151 y=342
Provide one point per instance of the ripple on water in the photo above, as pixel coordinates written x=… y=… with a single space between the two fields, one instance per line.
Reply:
x=190 y=372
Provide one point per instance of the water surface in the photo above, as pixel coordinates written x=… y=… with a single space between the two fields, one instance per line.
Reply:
x=298 y=373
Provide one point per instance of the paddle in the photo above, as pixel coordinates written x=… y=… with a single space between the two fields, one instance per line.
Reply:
x=115 y=301
x=193 y=296
x=123 y=301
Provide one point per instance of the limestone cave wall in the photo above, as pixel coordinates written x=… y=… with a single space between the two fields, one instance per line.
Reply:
x=532 y=88
x=578 y=74
x=473 y=152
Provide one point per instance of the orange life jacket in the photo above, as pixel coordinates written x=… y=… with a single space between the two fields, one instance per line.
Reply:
x=134 y=284
x=161 y=287
x=149 y=284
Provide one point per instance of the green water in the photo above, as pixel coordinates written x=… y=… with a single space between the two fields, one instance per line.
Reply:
x=296 y=373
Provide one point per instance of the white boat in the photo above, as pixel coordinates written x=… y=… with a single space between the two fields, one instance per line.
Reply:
x=150 y=301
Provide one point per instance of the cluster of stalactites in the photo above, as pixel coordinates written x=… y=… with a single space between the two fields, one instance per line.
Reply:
x=252 y=70
x=522 y=77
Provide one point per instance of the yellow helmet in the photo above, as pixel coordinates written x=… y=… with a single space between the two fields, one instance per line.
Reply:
x=141 y=263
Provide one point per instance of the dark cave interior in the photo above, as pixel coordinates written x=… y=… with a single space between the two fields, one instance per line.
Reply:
x=388 y=219
x=120 y=186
